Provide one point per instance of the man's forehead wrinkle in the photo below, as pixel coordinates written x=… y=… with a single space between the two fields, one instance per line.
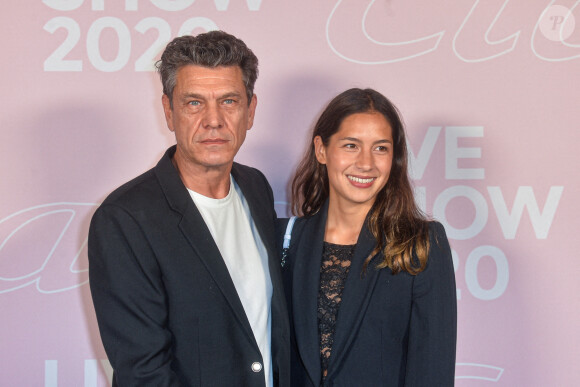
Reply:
x=193 y=87
x=210 y=82
x=203 y=77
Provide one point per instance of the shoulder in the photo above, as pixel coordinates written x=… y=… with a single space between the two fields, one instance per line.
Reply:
x=282 y=229
x=155 y=200
x=439 y=258
x=282 y=224
x=437 y=232
x=149 y=199
x=437 y=236
x=137 y=192
x=147 y=186
x=439 y=272
x=251 y=180
x=241 y=171
x=127 y=207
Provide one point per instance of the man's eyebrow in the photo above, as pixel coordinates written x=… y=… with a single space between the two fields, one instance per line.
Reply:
x=231 y=94
x=192 y=95
x=226 y=95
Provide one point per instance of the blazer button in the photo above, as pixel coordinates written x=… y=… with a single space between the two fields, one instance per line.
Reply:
x=256 y=366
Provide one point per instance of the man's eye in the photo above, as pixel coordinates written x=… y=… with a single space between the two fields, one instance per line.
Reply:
x=229 y=101
x=193 y=103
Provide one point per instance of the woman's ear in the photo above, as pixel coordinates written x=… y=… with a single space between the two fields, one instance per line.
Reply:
x=319 y=150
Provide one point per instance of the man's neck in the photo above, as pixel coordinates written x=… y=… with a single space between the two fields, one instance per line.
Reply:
x=213 y=182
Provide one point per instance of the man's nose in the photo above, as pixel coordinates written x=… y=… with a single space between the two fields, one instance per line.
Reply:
x=212 y=118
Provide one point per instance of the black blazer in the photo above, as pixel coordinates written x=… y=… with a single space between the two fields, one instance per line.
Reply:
x=392 y=330
x=168 y=311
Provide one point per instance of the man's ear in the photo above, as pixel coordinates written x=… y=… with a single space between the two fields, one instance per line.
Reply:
x=252 y=111
x=319 y=150
x=168 y=111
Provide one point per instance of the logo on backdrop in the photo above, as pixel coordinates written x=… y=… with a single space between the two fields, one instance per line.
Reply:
x=45 y=246
x=471 y=42
x=557 y=23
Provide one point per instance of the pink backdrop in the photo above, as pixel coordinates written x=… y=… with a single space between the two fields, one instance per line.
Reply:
x=489 y=92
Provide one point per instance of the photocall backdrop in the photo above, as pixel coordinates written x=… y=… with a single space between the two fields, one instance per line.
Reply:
x=488 y=91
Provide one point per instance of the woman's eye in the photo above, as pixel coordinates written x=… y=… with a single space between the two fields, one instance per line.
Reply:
x=350 y=146
x=382 y=148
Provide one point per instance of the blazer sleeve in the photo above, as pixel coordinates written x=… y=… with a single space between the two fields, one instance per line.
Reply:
x=433 y=327
x=129 y=299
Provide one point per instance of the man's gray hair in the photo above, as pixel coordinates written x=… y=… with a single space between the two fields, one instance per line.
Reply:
x=210 y=49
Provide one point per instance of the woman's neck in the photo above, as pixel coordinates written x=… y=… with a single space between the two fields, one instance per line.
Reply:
x=344 y=222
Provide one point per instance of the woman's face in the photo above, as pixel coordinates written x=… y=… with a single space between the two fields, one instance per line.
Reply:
x=358 y=159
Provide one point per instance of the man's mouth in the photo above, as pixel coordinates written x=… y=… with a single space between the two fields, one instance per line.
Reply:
x=214 y=141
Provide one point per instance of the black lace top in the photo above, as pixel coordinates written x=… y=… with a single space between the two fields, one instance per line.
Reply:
x=333 y=272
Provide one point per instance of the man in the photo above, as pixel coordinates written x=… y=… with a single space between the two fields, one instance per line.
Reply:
x=184 y=272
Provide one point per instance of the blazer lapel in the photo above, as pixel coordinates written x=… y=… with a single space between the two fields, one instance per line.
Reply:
x=305 y=285
x=202 y=243
x=199 y=236
x=264 y=218
x=357 y=293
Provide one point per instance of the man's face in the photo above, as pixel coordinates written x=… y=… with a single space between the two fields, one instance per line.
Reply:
x=210 y=116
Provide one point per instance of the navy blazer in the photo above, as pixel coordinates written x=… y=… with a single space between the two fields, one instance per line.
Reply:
x=167 y=308
x=391 y=330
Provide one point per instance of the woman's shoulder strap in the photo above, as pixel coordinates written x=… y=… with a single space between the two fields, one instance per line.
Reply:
x=288 y=232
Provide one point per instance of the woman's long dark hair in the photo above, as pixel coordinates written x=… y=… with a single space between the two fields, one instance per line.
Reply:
x=398 y=225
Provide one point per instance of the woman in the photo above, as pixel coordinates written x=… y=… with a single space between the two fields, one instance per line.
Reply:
x=369 y=280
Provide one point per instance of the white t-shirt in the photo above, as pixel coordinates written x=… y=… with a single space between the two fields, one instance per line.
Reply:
x=235 y=233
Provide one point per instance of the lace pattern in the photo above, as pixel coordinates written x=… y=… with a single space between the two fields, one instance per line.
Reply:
x=333 y=272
